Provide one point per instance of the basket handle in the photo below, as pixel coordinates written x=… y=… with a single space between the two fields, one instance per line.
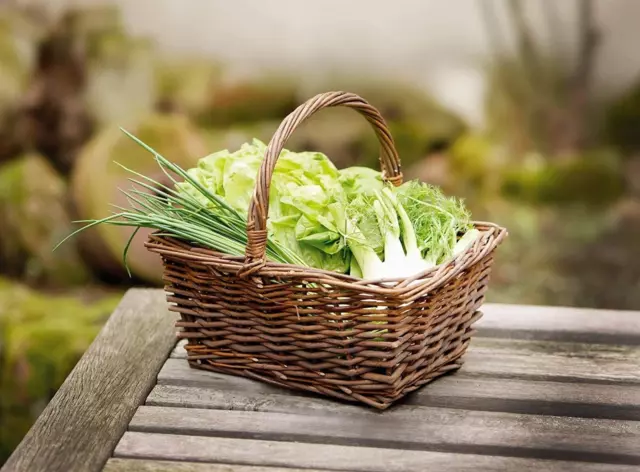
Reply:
x=255 y=256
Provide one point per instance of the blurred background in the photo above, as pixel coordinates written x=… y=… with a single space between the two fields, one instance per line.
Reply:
x=530 y=110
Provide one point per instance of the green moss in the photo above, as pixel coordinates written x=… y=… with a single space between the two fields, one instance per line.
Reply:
x=97 y=181
x=187 y=84
x=475 y=162
x=41 y=339
x=348 y=139
x=533 y=265
x=414 y=139
x=418 y=123
x=12 y=252
x=623 y=121
x=472 y=154
x=594 y=179
x=35 y=218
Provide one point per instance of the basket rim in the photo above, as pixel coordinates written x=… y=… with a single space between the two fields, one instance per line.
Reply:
x=414 y=286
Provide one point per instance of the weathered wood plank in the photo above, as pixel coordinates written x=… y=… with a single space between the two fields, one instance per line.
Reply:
x=525 y=359
x=466 y=382
x=576 y=326
x=560 y=323
x=336 y=458
x=179 y=351
x=515 y=396
x=547 y=360
x=567 y=324
x=82 y=424
x=424 y=428
x=141 y=465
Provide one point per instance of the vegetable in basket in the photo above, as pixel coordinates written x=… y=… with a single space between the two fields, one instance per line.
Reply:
x=347 y=221
x=304 y=187
x=399 y=232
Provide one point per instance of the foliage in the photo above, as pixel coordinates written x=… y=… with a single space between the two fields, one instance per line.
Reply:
x=538 y=169
x=536 y=264
x=476 y=162
x=622 y=122
x=96 y=181
x=35 y=216
x=417 y=122
x=593 y=178
x=186 y=84
x=42 y=336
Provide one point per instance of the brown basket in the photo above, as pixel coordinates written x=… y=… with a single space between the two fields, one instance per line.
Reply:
x=320 y=331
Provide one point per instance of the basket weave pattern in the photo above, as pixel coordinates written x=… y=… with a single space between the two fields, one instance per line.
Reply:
x=318 y=331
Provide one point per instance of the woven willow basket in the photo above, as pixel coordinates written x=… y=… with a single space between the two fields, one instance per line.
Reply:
x=315 y=330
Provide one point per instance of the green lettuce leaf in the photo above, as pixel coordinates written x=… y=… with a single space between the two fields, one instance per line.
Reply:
x=303 y=187
x=357 y=181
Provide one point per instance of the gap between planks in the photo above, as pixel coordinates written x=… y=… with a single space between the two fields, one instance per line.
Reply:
x=412 y=428
x=586 y=325
x=568 y=324
x=335 y=458
x=141 y=465
x=533 y=398
x=512 y=376
x=540 y=360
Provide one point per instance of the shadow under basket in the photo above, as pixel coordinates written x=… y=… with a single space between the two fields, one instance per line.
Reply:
x=313 y=330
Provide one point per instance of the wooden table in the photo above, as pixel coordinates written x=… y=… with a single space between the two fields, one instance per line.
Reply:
x=542 y=388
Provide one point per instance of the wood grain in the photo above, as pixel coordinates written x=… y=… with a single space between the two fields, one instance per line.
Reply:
x=526 y=359
x=515 y=396
x=82 y=424
x=542 y=388
x=567 y=324
x=179 y=352
x=336 y=458
x=412 y=428
x=560 y=323
x=141 y=465
x=549 y=360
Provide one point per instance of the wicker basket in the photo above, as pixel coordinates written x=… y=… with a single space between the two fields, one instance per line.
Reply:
x=320 y=331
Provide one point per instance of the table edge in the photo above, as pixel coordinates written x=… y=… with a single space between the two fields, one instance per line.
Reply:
x=134 y=316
